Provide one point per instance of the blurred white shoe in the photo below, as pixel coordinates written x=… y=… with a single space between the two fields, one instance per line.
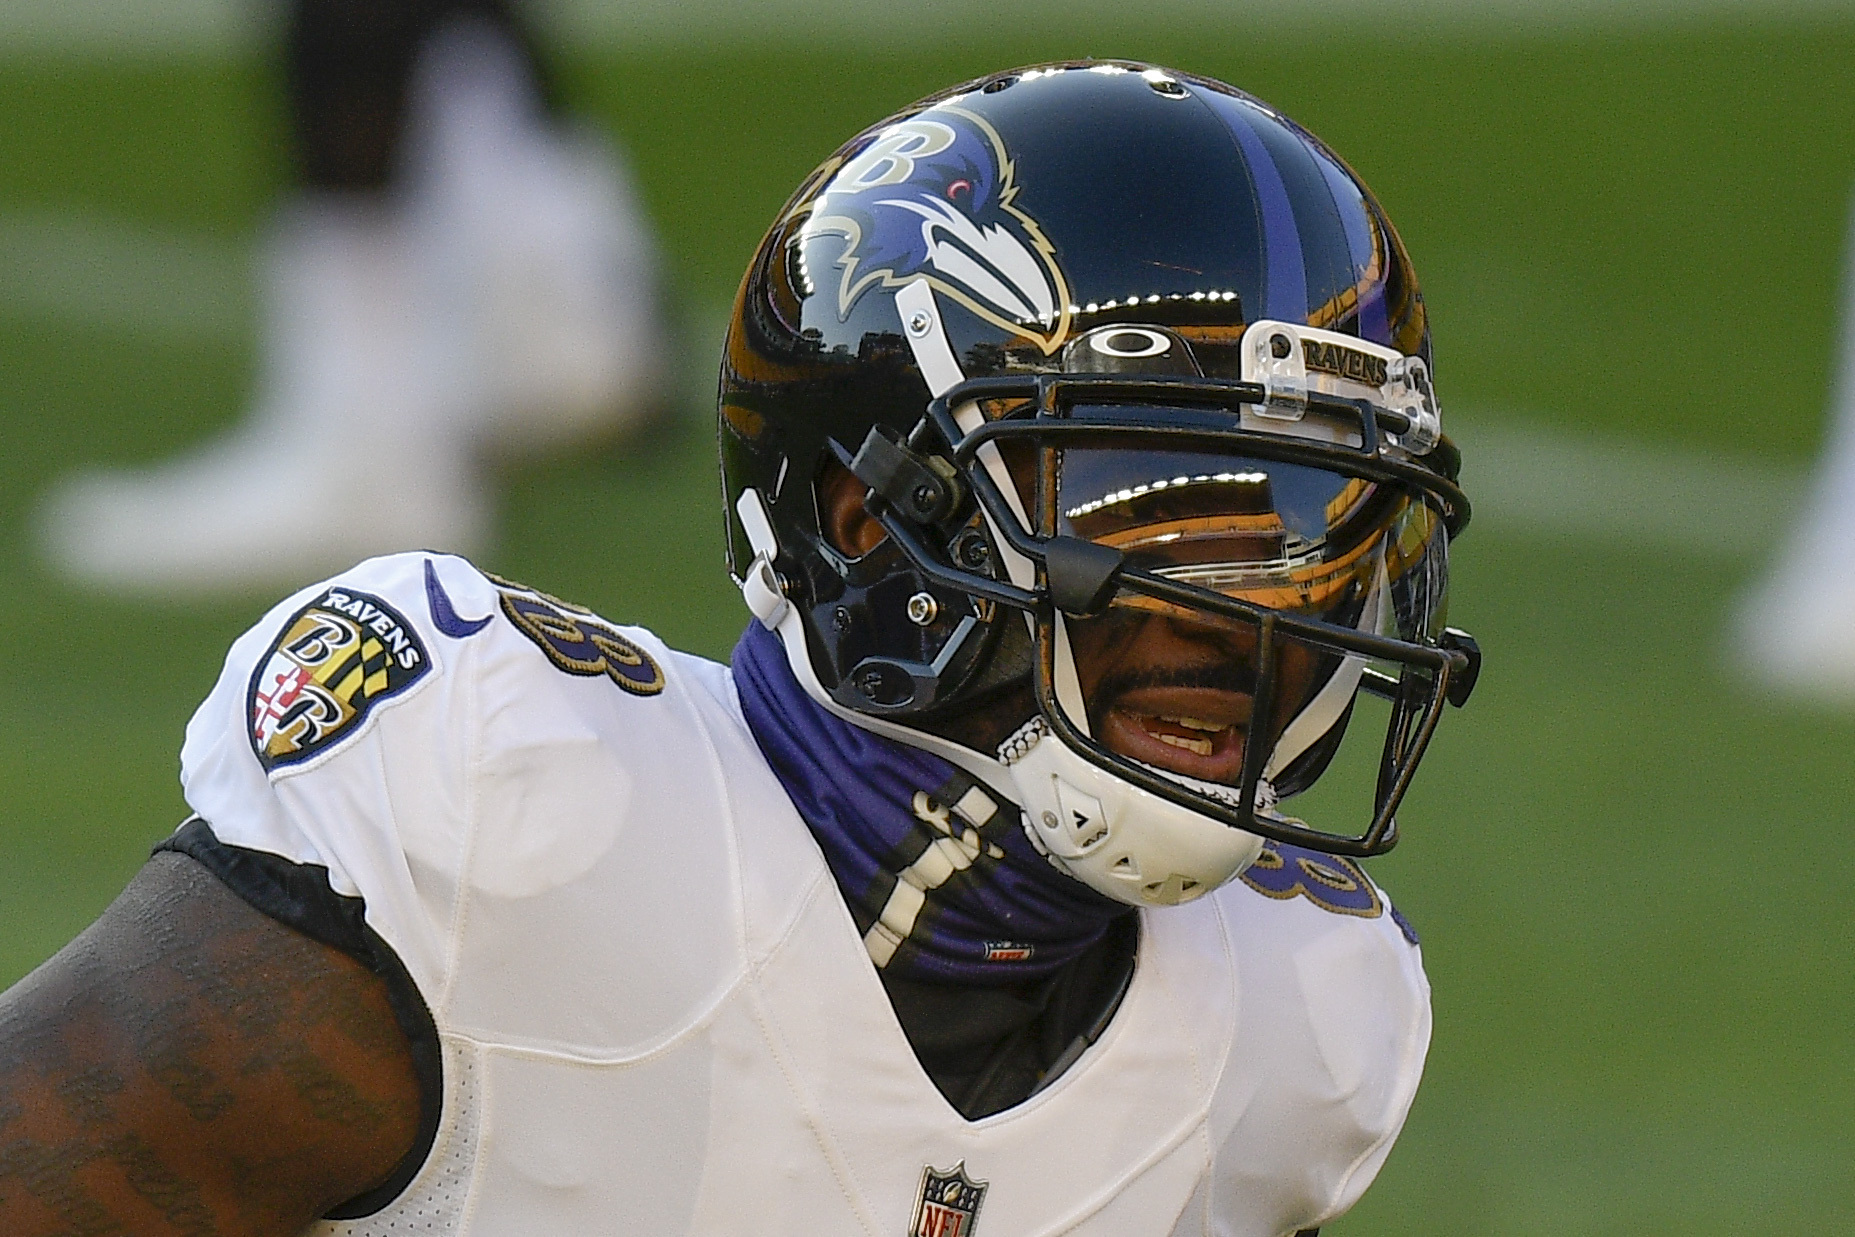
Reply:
x=1797 y=635
x=536 y=246
x=348 y=453
x=502 y=300
x=1794 y=631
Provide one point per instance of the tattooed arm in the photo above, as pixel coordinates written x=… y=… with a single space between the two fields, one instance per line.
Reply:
x=189 y=1066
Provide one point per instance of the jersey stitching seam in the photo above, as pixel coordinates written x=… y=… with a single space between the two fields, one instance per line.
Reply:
x=818 y=884
x=1414 y=1047
x=656 y=1049
x=706 y=1014
x=1207 y=1154
x=685 y=695
x=840 y=1170
x=1236 y=997
x=820 y=876
x=1210 y=1166
x=1194 y=1126
x=460 y=900
x=467 y=1214
x=1143 y=980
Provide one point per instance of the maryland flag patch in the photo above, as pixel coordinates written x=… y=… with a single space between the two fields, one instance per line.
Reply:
x=339 y=658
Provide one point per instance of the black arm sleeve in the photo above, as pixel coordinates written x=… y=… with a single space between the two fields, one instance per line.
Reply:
x=299 y=896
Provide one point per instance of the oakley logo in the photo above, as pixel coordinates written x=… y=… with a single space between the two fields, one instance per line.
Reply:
x=1130 y=343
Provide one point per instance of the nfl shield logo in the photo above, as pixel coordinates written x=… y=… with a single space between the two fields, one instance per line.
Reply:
x=948 y=1203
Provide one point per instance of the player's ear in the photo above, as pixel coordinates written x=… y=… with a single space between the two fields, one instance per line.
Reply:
x=852 y=531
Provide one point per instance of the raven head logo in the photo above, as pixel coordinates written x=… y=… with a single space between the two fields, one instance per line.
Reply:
x=931 y=197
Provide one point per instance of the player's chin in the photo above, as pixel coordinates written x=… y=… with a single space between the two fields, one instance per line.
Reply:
x=1207 y=748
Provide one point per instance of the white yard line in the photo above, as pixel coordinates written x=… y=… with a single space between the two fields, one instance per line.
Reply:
x=1523 y=475
x=144 y=26
x=882 y=22
x=97 y=271
x=105 y=27
x=92 y=272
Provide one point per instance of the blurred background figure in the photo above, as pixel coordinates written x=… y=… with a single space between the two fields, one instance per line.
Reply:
x=457 y=273
x=1796 y=629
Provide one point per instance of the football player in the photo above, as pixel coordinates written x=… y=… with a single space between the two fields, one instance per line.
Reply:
x=1086 y=483
x=457 y=272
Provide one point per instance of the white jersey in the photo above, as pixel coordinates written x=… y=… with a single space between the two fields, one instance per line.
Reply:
x=657 y=1015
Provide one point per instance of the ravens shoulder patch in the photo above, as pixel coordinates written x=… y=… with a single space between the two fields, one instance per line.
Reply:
x=338 y=659
x=578 y=641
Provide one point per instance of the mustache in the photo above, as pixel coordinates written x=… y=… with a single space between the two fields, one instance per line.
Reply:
x=1228 y=676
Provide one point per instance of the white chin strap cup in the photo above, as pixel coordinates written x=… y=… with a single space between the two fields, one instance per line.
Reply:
x=1118 y=839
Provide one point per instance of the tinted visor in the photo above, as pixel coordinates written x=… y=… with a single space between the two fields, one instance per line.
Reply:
x=1286 y=536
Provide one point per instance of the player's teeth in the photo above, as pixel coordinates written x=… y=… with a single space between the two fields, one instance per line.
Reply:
x=1194 y=723
x=1201 y=747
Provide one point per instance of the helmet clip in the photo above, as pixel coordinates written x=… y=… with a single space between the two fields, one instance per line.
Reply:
x=1462 y=682
x=1082 y=575
x=1275 y=361
x=761 y=586
x=905 y=480
x=1409 y=391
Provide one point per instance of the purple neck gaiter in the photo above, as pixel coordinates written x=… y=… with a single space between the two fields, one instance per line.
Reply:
x=937 y=871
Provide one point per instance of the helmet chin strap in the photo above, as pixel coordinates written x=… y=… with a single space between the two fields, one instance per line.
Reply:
x=1068 y=682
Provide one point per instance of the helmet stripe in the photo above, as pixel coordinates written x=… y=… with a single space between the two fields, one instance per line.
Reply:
x=1285 y=280
x=1367 y=253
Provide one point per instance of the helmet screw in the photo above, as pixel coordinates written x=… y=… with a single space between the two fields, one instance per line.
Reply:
x=1049 y=820
x=923 y=497
x=869 y=683
x=922 y=609
x=919 y=322
x=1279 y=347
x=971 y=549
x=840 y=619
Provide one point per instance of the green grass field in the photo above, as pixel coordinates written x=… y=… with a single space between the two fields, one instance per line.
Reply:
x=1628 y=869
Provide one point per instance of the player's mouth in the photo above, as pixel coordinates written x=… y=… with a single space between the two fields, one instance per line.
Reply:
x=1197 y=731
